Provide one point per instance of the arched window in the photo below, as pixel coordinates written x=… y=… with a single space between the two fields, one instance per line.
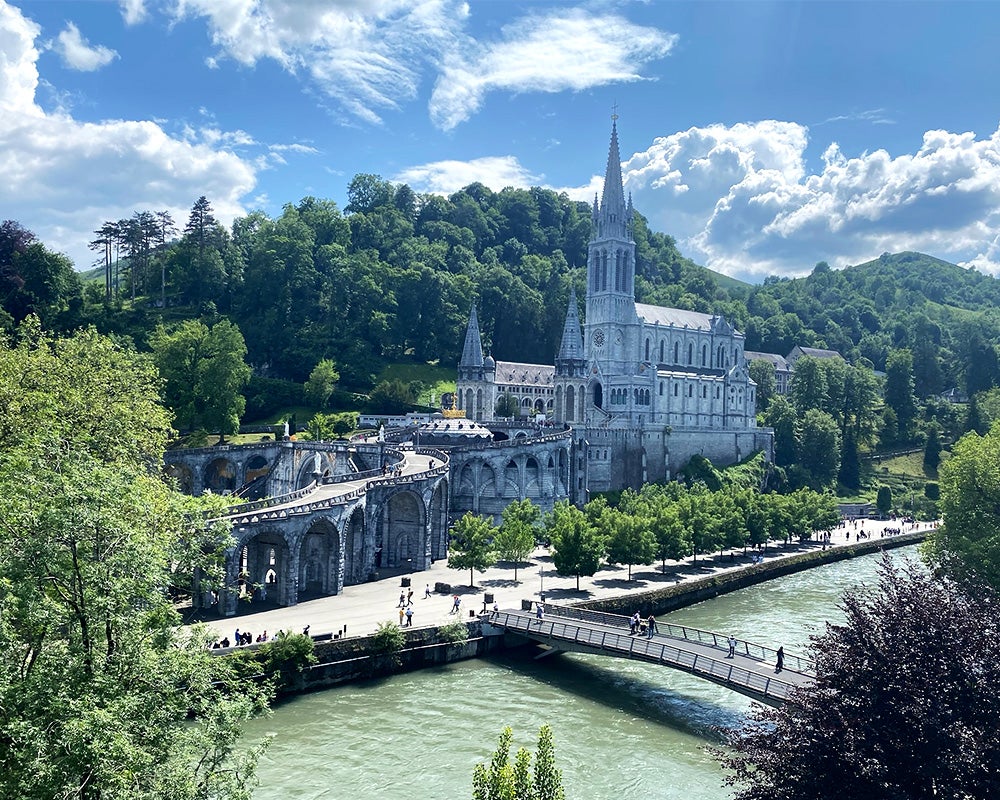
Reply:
x=675 y=390
x=690 y=353
x=618 y=272
x=570 y=403
x=598 y=396
x=661 y=351
x=661 y=389
x=676 y=352
x=704 y=355
x=647 y=349
x=690 y=391
x=704 y=391
x=716 y=392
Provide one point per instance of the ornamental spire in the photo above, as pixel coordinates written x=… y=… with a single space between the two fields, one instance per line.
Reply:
x=572 y=342
x=472 y=353
x=614 y=217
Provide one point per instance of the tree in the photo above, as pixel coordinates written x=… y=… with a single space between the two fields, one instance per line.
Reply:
x=101 y=694
x=883 y=500
x=899 y=390
x=932 y=450
x=507 y=405
x=762 y=373
x=392 y=397
x=809 y=388
x=502 y=780
x=518 y=532
x=204 y=373
x=819 y=447
x=903 y=706
x=471 y=544
x=321 y=383
x=968 y=543
x=781 y=416
x=630 y=540
x=577 y=548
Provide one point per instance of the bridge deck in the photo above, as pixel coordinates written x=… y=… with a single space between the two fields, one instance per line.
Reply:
x=747 y=674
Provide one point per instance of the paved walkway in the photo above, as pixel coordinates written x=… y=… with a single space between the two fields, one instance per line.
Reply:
x=361 y=608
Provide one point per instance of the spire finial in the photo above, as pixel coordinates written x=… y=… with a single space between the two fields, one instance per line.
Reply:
x=614 y=112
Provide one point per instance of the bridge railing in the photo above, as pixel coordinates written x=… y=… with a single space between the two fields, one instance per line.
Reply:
x=654 y=649
x=720 y=641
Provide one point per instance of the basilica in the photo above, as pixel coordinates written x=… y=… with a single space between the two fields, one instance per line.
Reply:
x=644 y=388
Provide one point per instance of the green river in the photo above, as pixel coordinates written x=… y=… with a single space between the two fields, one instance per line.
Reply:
x=623 y=729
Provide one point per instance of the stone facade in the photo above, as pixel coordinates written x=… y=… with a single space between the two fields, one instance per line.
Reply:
x=644 y=388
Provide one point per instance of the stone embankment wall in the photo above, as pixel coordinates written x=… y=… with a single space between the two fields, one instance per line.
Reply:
x=356 y=659
x=681 y=595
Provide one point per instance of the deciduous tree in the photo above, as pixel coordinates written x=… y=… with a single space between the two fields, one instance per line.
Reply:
x=471 y=545
x=518 y=531
x=903 y=706
x=577 y=548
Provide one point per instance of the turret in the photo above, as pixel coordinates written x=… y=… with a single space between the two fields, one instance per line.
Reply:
x=570 y=360
x=471 y=366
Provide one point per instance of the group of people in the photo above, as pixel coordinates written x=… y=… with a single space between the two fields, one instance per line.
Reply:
x=243 y=638
x=643 y=627
x=393 y=470
x=407 y=614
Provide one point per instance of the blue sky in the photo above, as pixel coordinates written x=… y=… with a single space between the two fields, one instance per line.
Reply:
x=763 y=136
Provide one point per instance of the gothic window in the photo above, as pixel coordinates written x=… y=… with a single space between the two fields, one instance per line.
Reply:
x=690 y=391
x=635 y=396
x=647 y=349
x=690 y=353
x=704 y=354
x=646 y=397
x=736 y=355
x=676 y=352
x=661 y=389
x=618 y=272
x=598 y=396
x=675 y=390
x=570 y=403
x=720 y=357
x=661 y=351
x=704 y=391
x=716 y=392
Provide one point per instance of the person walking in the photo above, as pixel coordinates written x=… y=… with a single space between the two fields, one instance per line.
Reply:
x=457 y=604
x=781 y=660
x=496 y=611
x=409 y=597
x=402 y=599
x=539 y=611
x=427 y=591
x=401 y=612
x=731 y=641
x=409 y=616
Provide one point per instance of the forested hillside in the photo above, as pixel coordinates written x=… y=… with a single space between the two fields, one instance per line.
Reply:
x=392 y=277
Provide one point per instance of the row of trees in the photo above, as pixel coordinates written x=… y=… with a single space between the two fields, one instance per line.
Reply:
x=659 y=522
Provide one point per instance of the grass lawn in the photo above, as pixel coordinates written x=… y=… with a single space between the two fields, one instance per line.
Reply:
x=436 y=379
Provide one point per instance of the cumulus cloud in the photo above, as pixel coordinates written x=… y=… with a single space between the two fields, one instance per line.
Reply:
x=77 y=53
x=740 y=199
x=133 y=11
x=62 y=177
x=447 y=177
x=569 y=49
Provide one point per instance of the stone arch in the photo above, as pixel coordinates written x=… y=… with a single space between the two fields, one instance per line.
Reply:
x=221 y=476
x=319 y=560
x=488 y=481
x=261 y=569
x=467 y=480
x=358 y=562
x=182 y=476
x=532 y=478
x=306 y=473
x=402 y=532
x=598 y=395
x=540 y=406
x=438 y=513
x=512 y=480
x=256 y=467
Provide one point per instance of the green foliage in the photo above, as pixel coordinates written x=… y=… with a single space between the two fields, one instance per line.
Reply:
x=204 y=374
x=967 y=544
x=392 y=397
x=322 y=381
x=388 y=638
x=507 y=405
x=266 y=397
x=577 y=547
x=905 y=687
x=762 y=373
x=516 y=538
x=883 y=501
x=932 y=449
x=501 y=780
x=332 y=426
x=818 y=447
x=453 y=633
x=630 y=540
x=100 y=694
x=471 y=545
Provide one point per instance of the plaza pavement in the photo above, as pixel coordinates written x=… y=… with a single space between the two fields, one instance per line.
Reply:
x=361 y=608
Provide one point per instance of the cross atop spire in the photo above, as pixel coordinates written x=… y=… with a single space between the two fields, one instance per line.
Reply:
x=614 y=112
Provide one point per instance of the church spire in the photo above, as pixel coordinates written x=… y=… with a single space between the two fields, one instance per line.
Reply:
x=572 y=342
x=472 y=353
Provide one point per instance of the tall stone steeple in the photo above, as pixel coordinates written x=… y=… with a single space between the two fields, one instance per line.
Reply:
x=614 y=218
x=571 y=350
x=471 y=365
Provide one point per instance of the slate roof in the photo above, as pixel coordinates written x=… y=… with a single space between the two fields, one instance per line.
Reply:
x=780 y=362
x=525 y=374
x=678 y=317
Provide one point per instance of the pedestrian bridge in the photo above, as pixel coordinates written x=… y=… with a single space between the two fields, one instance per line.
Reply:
x=750 y=672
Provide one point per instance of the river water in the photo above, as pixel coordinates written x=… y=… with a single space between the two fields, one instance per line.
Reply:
x=624 y=730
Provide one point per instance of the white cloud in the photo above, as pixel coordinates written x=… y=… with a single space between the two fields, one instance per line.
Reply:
x=569 y=49
x=133 y=11
x=740 y=200
x=78 y=53
x=369 y=56
x=61 y=177
x=447 y=177
x=366 y=55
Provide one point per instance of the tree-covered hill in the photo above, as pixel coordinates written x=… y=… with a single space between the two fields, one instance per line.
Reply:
x=392 y=277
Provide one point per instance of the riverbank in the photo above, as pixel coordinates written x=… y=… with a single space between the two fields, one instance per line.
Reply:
x=347 y=655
